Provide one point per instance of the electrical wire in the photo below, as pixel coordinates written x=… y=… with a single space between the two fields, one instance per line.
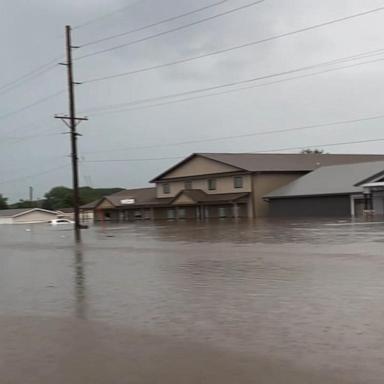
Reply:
x=171 y=30
x=33 y=175
x=259 y=151
x=125 y=160
x=193 y=58
x=106 y=109
x=173 y=18
x=105 y=16
x=267 y=39
x=323 y=145
x=17 y=140
x=246 y=135
x=39 y=71
x=29 y=106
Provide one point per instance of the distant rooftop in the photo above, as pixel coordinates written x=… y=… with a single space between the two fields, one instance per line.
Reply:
x=337 y=179
x=19 y=211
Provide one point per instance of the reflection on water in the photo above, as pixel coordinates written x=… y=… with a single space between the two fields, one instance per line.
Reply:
x=79 y=282
x=310 y=293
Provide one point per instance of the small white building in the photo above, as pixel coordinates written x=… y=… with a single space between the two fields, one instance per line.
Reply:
x=27 y=216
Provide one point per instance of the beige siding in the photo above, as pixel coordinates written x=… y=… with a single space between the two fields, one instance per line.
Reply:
x=183 y=200
x=265 y=183
x=200 y=166
x=34 y=217
x=6 y=220
x=223 y=185
x=105 y=204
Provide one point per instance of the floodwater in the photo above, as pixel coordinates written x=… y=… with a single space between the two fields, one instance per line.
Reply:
x=269 y=302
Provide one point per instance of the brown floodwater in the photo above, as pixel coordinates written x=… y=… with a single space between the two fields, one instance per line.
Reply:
x=225 y=302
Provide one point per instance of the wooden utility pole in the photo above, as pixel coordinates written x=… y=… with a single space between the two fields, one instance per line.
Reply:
x=73 y=121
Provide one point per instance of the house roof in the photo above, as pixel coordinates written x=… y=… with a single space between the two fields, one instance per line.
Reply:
x=141 y=197
x=22 y=211
x=91 y=205
x=337 y=179
x=66 y=210
x=147 y=197
x=280 y=162
x=200 y=196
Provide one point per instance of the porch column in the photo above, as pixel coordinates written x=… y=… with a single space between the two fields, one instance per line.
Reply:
x=366 y=201
x=353 y=210
x=235 y=209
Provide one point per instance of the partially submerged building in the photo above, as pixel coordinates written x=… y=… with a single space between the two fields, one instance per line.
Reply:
x=342 y=190
x=27 y=216
x=218 y=185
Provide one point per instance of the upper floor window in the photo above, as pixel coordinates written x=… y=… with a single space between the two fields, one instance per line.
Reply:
x=211 y=184
x=188 y=184
x=238 y=182
x=166 y=188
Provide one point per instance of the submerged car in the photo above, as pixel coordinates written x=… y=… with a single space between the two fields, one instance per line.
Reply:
x=61 y=222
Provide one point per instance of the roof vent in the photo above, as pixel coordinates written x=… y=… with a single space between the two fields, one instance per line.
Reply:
x=127 y=201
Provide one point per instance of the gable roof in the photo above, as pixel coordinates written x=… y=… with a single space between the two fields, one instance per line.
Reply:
x=91 y=205
x=22 y=211
x=280 y=162
x=142 y=196
x=337 y=179
x=199 y=196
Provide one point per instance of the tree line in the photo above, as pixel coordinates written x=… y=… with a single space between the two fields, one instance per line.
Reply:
x=60 y=197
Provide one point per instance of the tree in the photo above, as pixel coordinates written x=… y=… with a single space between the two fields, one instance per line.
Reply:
x=3 y=202
x=62 y=197
x=312 y=151
x=25 y=204
x=58 y=197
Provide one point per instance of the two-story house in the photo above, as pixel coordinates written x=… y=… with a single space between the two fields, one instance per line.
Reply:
x=215 y=185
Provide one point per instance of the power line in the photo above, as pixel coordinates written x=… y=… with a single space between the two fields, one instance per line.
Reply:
x=36 y=126
x=29 y=106
x=323 y=145
x=189 y=59
x=125 y=160
x=260 y=151
x=226 y=85
x=252 y=134
x=105 y=16
x=32 y=175
x=17 y=140
x=271 y=38
x=173 y=18
x=39 y=71
x=25 y=138
x=171 y=30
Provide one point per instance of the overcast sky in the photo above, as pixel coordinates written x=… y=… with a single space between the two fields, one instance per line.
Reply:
x=31 y=35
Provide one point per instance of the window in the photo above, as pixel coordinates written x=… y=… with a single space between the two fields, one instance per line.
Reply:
x=188 y=184
x=181 y=213
x=238 y=182
x=211 y=184
x=171 y=213
x=222 y=212
x=166 y=188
